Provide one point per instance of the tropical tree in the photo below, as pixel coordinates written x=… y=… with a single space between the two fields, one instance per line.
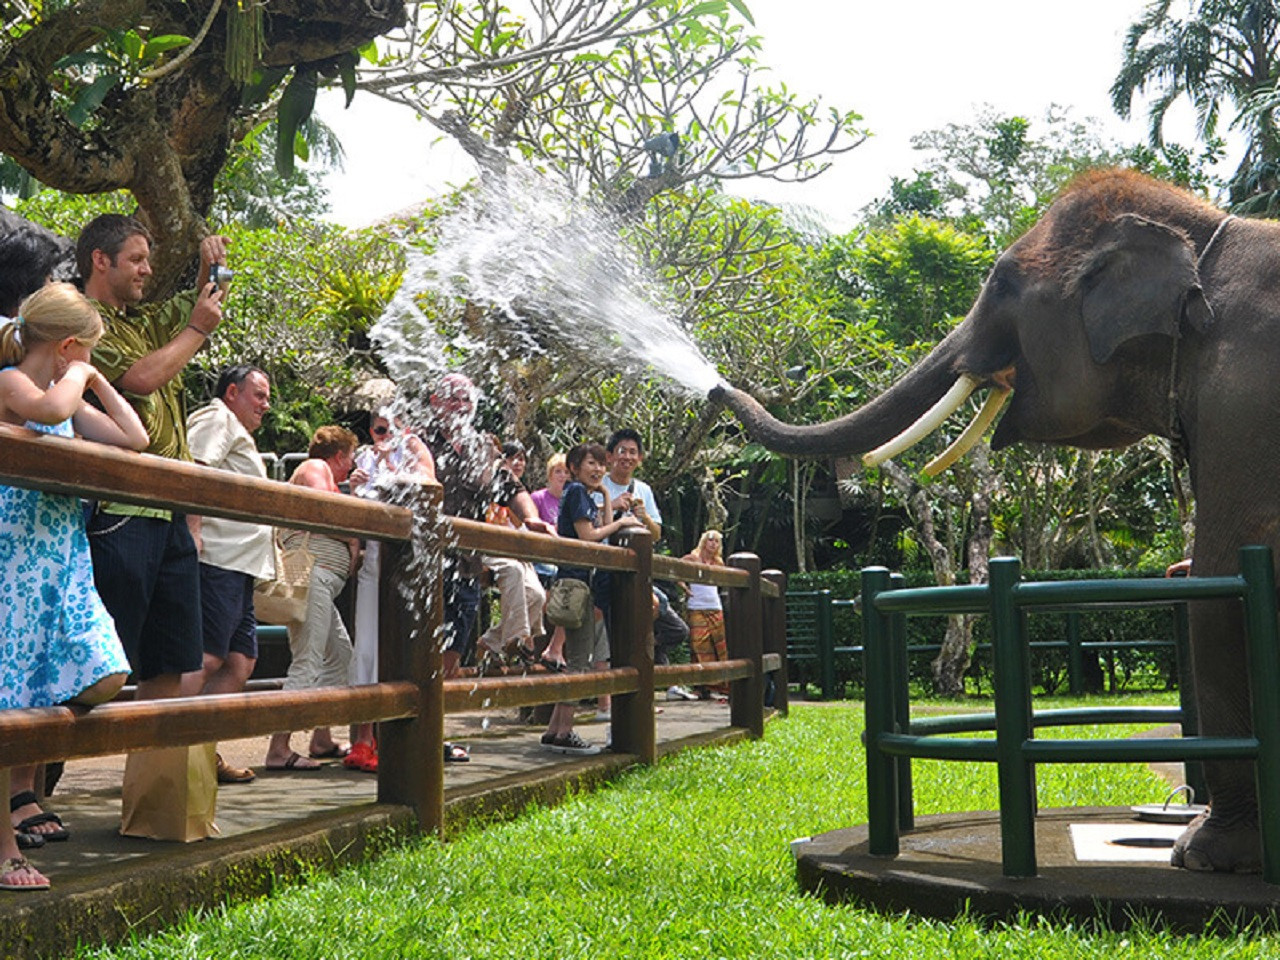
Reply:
x=1222 y=55
x=146 y=95
x=997 y=173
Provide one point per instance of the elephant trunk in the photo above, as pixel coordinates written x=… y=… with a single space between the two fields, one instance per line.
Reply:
x=877 y=422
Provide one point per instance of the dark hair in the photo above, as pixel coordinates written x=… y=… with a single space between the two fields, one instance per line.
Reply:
x=626 y=433
x=26 y=260
x=234 y=377
x=513 y=448
x=330 y=440
x=107 y=233
x=573 y=459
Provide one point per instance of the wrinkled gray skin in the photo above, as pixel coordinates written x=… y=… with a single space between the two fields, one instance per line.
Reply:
x=1080 y=316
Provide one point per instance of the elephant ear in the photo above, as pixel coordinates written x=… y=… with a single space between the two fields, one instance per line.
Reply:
x=1139 y=279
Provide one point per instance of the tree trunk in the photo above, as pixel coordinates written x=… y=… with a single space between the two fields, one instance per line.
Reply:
x=166 y=139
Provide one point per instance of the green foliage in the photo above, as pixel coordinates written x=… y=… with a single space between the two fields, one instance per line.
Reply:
x=251 y=193
x=66 y=213
x=300 y=307
x=1000 y=172
x=917 y=276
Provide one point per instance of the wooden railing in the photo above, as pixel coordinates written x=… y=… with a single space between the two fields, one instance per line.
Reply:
x=411 y=698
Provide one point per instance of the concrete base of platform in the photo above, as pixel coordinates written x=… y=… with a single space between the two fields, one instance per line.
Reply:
x=951 y=865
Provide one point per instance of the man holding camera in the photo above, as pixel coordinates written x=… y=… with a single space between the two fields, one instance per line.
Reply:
x=144 y=559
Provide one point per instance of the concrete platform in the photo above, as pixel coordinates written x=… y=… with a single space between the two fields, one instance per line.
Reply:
x=951 y=864
x=286 y=824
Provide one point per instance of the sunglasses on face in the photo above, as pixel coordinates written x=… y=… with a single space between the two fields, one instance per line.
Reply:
x=379 y=431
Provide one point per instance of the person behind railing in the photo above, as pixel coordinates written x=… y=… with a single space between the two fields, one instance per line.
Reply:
x=469 y=467
x=320 y=645
x=396 y=453
x=144 y=558
x=547 y=502
x=233 y=554
x=582 y=519
x=58 y=644
x=706 y=615
x=630 y=495
x=27 y=258
x=521 y=595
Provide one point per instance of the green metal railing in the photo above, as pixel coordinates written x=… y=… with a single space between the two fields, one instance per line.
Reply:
x=813 y=642
x=893 y=739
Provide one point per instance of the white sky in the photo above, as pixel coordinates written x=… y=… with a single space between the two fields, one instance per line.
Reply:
x=906 y=67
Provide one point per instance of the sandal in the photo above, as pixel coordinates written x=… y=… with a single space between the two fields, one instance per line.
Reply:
x=36 y=819
x=294 y=762
x=455 y=754
x=14 y=865
x=29 y=841
x=335 y=752
x=553 y=666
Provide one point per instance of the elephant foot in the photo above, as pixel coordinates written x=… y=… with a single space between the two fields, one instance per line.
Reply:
x=1209 y=846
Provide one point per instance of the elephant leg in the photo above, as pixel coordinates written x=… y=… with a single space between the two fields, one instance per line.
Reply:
x=1225 y=839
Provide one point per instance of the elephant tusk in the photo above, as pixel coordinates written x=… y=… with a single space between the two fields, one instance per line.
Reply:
x=972 y=434
x=932 y=419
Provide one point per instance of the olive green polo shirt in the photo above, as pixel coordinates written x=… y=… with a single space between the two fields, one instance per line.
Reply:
x=129 y=335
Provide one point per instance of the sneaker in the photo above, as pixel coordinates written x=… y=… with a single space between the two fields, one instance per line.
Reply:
x=548 y=739
x=680 y=693
x=230 y=774
x=572 y=744
x=603 y=715
x=362 y=757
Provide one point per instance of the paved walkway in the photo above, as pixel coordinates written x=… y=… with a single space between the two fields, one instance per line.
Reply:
x=502 y=748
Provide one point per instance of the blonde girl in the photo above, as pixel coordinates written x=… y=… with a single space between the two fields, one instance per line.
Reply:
x=57 y=642
x=706 y=616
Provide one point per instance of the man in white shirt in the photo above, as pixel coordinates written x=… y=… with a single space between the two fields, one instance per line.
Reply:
x=626 y=493
x=233 y=554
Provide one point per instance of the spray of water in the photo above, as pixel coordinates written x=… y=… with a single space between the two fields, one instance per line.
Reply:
x=555 y=278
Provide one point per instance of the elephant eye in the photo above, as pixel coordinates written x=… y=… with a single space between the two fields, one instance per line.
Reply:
x=1000 y=283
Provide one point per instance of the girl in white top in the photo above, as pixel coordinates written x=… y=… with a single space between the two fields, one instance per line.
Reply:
x=706 y=616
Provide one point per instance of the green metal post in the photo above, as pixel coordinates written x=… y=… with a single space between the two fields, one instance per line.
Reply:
x=1075 y=655
x=902 y=708
x=1264 y=680
x=1193 y=770
x=1013 y=722
x=877 y=638
x=825 y=643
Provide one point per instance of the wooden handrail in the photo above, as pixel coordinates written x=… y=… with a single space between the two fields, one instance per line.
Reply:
x=99 y=472
x=411 y=702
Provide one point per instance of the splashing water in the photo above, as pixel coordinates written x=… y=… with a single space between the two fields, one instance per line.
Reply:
x=556 y=278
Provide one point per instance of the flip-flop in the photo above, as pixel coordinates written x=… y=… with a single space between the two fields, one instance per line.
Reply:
x=14 y=864
x=455 y=754
x=335 y=752
x=27 y=797
x=292 y=764
x=29 y=841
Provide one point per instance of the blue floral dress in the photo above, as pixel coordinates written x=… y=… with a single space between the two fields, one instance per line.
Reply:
x=56 y=637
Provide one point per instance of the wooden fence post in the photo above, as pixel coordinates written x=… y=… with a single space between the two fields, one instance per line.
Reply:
x=410 y=750
x=631 y=645
x=775 y=637
x=745 y=642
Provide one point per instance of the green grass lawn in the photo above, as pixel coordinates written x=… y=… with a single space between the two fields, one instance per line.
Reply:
x=688 y=859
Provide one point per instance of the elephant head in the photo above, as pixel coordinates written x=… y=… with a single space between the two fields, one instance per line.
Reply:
x=1097 y=324
x=1078 y=319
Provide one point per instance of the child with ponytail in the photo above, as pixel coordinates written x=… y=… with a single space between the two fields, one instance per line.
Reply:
x=57 y=642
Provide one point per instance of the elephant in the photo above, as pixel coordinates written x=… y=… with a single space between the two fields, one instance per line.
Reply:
x=1130 y=308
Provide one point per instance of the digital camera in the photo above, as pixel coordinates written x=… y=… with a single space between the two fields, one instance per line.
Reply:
x=220 y=275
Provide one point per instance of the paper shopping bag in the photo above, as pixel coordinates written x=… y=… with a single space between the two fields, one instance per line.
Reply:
x=170 y=794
